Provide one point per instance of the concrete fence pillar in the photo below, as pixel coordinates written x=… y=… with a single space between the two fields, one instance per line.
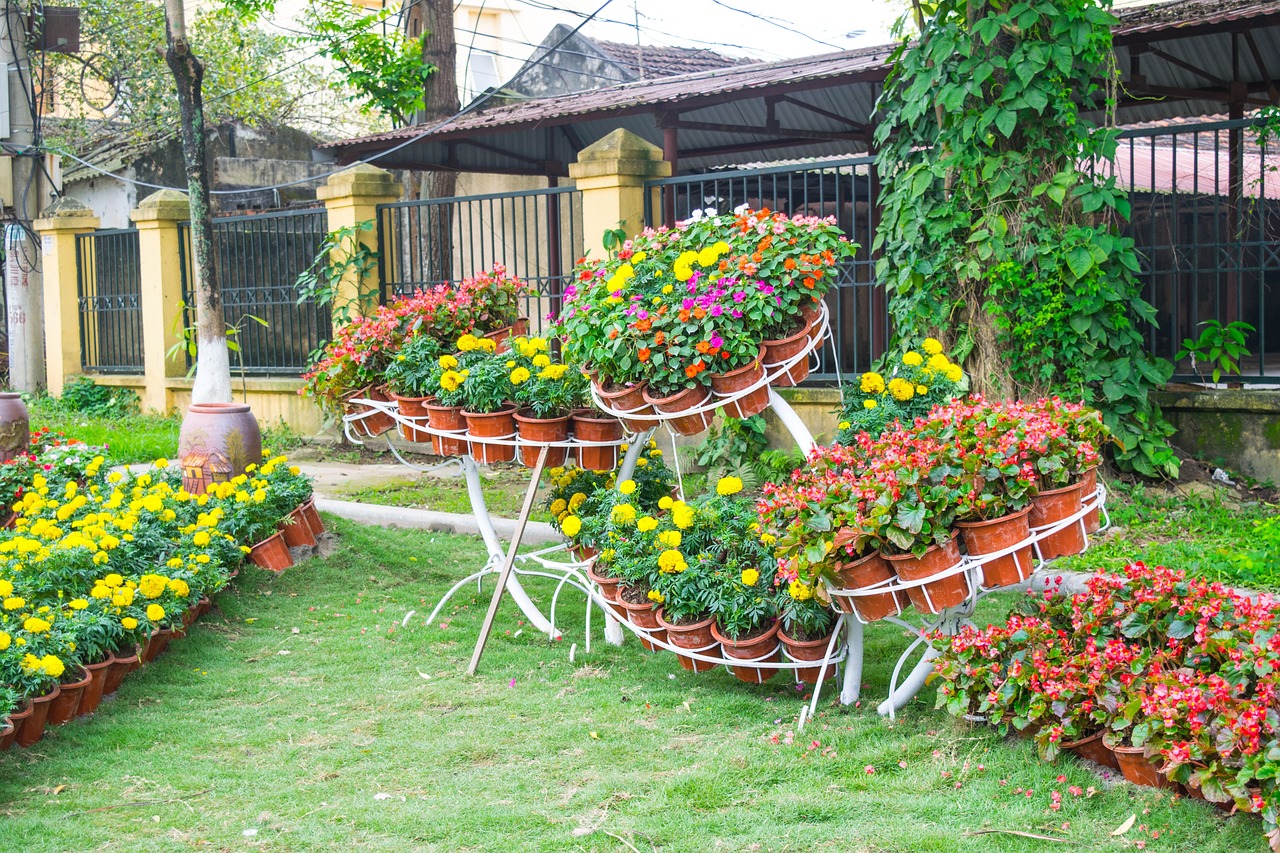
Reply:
x=160 y=264
x=611 y=173
x=58 y=227
x=351 y=197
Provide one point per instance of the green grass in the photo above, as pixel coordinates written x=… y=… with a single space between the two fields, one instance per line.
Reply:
x=132 y=438
x=1210 y=536
x=620 y=750
x=503 y=494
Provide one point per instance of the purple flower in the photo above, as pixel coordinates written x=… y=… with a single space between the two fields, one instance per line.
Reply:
x=764 y=287
x=716 y=311
x=739 y=296
x=688 y=304
x=716 y=340
x=736 y=314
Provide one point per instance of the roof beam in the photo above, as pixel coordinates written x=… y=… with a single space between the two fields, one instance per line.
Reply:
x=817 y=110
x=740 y=147
x=1273 y=89
x=1183 y=64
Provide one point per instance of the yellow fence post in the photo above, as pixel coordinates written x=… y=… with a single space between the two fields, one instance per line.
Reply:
x=611 y=174
x=160 y=264
x=351 y=197
x=58 y=227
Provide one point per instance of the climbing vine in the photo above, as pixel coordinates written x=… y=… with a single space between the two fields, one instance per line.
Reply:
x=1000 y=228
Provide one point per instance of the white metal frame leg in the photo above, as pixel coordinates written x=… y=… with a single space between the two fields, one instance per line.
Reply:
x=852 y=687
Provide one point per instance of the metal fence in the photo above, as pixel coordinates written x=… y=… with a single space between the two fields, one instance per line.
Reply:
x=259 y=258
x=845 y=189
x=109 y=299
x=1206 y=223
x=535 y=234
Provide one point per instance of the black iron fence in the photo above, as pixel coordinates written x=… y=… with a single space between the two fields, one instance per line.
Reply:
x=843 y=189
x=109 y=299
x=259 y=259
x=1206 y=223
x=535 y=234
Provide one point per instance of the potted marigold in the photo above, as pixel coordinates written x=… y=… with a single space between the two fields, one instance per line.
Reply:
x=408 y=381
x=746 y=626
x=910 y=386
x=806 y=626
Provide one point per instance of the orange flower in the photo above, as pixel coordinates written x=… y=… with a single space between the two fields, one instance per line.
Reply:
x=703 y=347
x=789 y=264
x=644 y=325
x=684 y=315
x=659 y=338
x=613 y=333
x=724 y=266
x=643 y=354
x=699 y=313
x=809 y=283
x=757 y=257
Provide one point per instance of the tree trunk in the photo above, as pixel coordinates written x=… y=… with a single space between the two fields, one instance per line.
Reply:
x=432 y=21
x=213 y=368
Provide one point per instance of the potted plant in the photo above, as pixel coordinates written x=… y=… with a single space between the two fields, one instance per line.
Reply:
x=806 y=627
x=686 y=594
x=746 y=625
x=927 y=378
x=254 y=521
x=408 y=376
x=485 y=395
x=496 y=298
x=546 y=394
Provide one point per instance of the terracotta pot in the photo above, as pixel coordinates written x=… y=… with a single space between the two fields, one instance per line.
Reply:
x=582 y=553
x=673 y=409
x=997 y=534
x=781 y=350
x=538 y=430
x=120 y=667
x=412 y=407
x=271 y=554
x=1089 y=486
x=808 y=650
x=1094 y=749
x=7 y=733
x=64 y=709
x=312 y=515
x=737 y=381
x=1053 y=506
x=502 y=336
x=812 y=313
x=446 y=418
x=217 y=442
x=375 y=424
x=499 y=424
x=203 y=606
x=695 y=637
x=632 y=399
x=15 y=426
x=868 y=571
x=642 y=615
x=608 y=585
x=17 y=719
x=1138 y=769
x=11 y=521
x=761 y=648
x=33 y=729
x=296 y=530
x=189 y=617
x=941 y=594
x=588 y=427
x=156 y=644
x=92 y=695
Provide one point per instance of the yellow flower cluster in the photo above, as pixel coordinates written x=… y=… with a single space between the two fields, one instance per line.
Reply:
x=728 y=486
x=671 y=561
x=471 y=343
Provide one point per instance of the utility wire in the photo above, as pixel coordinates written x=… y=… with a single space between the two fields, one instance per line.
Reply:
x=776 y=22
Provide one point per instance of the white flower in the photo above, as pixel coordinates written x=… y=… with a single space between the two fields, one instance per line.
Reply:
x=741 y=209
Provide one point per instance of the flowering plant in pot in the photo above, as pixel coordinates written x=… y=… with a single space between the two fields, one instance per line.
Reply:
x=495 y=299
x=746 y=626
x=908 y=387
x=411 y=377
x=568 y=488
x=485 y=395
x=806 y=623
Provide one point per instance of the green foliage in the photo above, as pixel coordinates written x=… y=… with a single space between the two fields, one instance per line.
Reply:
x=732 y=448
x=342 y=254
x=488 y=384
x=775 y=466
x=994 y=237
x=412 y=371
x=83 y=395
x=1219 y=347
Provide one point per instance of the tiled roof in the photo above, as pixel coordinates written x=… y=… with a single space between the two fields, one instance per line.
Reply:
x=649 y=61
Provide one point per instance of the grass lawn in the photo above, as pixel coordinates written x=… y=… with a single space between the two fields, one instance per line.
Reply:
x=504 y=490
x=132 y=438
x=301 y=715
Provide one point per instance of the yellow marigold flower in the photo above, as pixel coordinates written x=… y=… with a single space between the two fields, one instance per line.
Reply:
x=202 y=558
x=5 y=640
x=912 y=359
x=872 y=383
x=670 y=538
x=35 y=625
x=179 y=587
x=468 y=343
x=953 y=372
x=100 y=591
x=728 y=486
x=53 y=666
x=78 y=604
x=922 y=389
x=682 y=515
x=155 y=612
x=646 y=523
x=708 y=256
x=152 y=586
x=750 y=577
x=201 y=539
x=627 y=487
x=901 y=389
x=162 y=462
x=14 y=602
x=129 y=623
x=938 y=362
x=6 y=588
x=656 y=597
x=122 y=597
x=115 y=477
x=558 y=506
x=671 y=561
x=932 y=346
x=101 y=558
x=450 y=380
x=553 y=371
x=541 y=361
x=656 y=453
x=665 y=502
x=623 y=514
x=578 y=499
x=519 y=376
x=642 y=462
x=800 y=591
x=666 y=289
x=511 y=363
x=571 y=526
x=447 y=362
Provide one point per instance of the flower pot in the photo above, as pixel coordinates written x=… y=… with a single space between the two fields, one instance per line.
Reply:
x=7 y=733
x=15 y=426
x=17 y=720
x=1088 y=490
x=642 y=615
x=735 y=382
x=675 y=406
x=540 y=430
x=1053 y=506
x=608 y=585
x=189 y=617
x=1138 y=769
x=312 y=515
x=216 y=443
x=812 y=313
x=412 y=407
x=943 y=593
x=446 y=418
x=296 y=530
x=631 y=399
x=121 y=666
x=203 y=606
x=10 y=522
x=693 y=637
x=582 y=553
x=64 y=709
x=92 y=695
x=782 y=350
x=33 y=729
x=997 y=534
x=156 y=644
x=861 y=573
x=588 y=427
x=808 y=650
x=499 y=424
x=271 y=554
x=375 y=423
x=761 y=647
x=1092 y=748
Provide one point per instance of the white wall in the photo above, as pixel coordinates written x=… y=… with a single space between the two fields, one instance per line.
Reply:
x=111 y=200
